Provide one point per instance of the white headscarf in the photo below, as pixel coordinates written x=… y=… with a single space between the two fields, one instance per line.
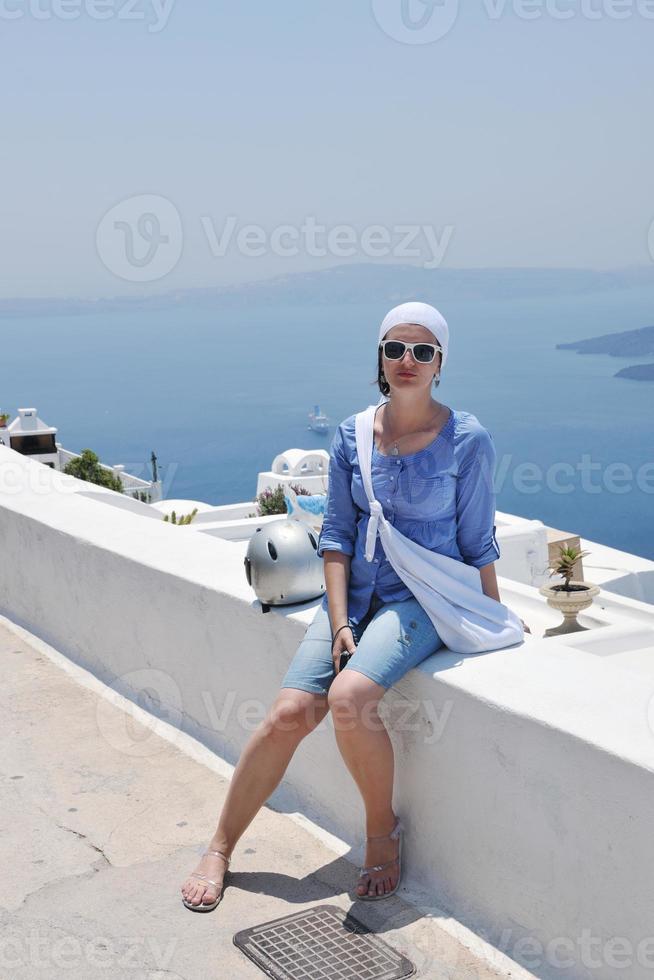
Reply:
x=422 y=314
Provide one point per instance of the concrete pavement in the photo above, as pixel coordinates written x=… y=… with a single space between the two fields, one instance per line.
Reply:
x=105 y=812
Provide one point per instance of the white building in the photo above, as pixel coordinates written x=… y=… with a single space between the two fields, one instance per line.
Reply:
x=30 y=436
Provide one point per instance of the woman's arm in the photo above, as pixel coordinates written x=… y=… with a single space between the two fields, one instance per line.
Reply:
x=475 y=503
x=490 y=587
x=338 y=532
x=489 y=581
x=337 y=576
x=476 y=513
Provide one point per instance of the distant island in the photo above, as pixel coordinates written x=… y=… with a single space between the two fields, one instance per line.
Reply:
x=637 y=372
x=627 y=343
x=384 y=283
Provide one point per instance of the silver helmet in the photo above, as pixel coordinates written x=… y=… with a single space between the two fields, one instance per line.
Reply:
x=282 y=565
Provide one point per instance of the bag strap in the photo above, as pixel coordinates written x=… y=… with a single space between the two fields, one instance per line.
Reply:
x=364 y=430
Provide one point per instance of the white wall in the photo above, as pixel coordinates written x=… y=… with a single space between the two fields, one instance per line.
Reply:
x=524 y=776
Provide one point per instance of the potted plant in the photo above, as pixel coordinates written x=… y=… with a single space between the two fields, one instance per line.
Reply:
x=4 y=418
x=272 y=501
x=572 y=595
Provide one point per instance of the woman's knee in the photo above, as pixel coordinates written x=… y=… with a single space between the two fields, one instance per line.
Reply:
x=294 y=714
x=353 y=700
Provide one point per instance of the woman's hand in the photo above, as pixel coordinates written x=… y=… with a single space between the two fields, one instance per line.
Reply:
x=344 y=643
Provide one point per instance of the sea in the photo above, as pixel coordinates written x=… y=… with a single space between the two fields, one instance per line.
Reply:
x=218 y=393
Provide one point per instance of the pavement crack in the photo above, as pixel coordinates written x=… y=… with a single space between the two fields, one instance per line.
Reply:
x=86 y=840
x=57 y=881
x=78 y=834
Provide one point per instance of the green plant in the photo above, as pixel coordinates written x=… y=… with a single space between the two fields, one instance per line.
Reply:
x=564 y=564
x=87 y=467
x=4 y=416
x=272 y=501
x=183 y=519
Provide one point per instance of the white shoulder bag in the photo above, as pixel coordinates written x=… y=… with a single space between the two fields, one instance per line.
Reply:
x=450 y=592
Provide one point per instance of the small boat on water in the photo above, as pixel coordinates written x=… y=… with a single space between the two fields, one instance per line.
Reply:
x=318 y=421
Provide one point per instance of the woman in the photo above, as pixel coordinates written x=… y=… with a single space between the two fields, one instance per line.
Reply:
x=432 y=472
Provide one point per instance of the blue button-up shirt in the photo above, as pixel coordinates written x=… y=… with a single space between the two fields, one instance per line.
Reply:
x=443 y=497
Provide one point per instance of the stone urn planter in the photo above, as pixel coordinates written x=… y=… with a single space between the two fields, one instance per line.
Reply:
x=570 y=602
x=571 y=596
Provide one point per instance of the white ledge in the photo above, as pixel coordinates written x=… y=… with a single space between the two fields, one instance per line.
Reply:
x=524 y=775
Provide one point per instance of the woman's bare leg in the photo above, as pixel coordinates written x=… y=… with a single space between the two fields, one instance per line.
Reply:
x=367 y=750
x=262 y=764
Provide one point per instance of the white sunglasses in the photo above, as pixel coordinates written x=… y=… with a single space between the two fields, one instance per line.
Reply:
x=394 y=350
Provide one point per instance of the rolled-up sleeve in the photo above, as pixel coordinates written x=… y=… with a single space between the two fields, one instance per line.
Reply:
x=338 y=532
x=475 y=502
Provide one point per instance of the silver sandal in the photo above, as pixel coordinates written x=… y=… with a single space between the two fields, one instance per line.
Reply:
x=196 y=874
x=394 y=835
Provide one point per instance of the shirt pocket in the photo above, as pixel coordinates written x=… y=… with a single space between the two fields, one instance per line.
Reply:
x=425 y=490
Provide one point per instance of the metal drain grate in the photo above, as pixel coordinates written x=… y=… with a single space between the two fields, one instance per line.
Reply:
x=322 y=943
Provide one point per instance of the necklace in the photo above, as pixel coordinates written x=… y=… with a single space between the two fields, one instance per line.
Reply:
x=395 y=450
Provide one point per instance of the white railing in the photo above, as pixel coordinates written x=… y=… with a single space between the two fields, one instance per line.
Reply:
x=133 y=486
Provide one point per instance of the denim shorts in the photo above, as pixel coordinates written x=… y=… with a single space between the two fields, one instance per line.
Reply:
x=392 y=638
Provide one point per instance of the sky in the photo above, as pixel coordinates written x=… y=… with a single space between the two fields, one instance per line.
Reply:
x=149 y=145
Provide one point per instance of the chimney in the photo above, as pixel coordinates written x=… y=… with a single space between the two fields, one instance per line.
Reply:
x=28 y=419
